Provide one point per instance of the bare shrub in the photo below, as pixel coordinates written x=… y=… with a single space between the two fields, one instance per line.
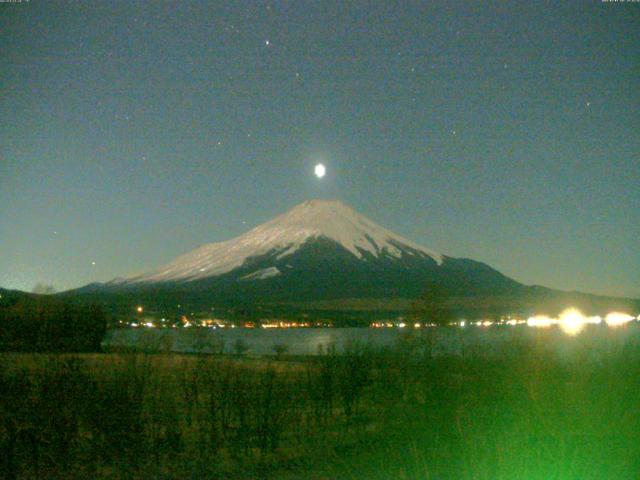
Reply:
x=240 y=347
x=280 y=349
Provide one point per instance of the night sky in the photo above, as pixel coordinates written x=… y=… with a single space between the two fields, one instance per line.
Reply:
x=133 y=131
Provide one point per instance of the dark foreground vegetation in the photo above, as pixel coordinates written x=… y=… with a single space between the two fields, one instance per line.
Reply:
x=522 y=412
x=42 y=323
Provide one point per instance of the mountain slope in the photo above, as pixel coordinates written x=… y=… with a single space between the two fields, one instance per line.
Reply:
x=286 y=234
x=323 y=251
x=318 y=250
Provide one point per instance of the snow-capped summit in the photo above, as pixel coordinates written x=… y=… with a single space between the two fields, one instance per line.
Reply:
x=284 y=235
x=322 y=255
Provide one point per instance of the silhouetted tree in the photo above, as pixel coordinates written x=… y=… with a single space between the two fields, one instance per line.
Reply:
x=240 y=347
x=433 y=306
x=280 y=349
x=38 y=324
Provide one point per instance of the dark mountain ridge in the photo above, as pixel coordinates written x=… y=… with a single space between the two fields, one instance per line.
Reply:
x=325 y=252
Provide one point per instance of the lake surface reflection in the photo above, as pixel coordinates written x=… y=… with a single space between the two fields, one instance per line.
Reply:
x=312 y=341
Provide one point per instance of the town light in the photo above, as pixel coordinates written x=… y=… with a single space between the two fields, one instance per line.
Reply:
x=540 y=321
x=615 y=319
x=572 y=321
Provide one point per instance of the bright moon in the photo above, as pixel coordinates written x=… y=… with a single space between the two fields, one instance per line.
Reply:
x=320 y=170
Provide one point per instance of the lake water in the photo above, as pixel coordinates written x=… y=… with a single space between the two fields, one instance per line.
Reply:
x=311 y=341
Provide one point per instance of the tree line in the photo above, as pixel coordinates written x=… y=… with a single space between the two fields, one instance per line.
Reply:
x=31 y=323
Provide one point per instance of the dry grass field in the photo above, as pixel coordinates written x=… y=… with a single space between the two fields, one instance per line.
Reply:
x=521 y=412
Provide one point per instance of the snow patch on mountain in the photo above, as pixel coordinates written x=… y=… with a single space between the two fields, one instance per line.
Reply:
x=262 y=274
x=284 y=235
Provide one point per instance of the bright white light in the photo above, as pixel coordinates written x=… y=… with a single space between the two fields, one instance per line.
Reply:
x=320 y=170
x=615 y=319
x=572 y=321
x=463 y=323
x=540 y=321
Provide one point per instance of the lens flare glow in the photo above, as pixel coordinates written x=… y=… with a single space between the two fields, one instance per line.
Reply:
x=572 y=321
x=615 y=319
x=540 y=321
x=320 y=170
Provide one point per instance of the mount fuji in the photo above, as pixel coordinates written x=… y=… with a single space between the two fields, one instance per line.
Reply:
x=319 y=251
x=284 y=236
